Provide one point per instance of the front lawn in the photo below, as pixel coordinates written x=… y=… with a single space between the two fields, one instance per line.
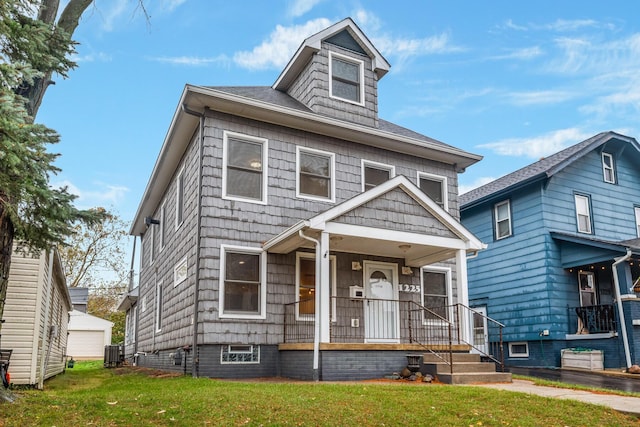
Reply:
x=89 y=395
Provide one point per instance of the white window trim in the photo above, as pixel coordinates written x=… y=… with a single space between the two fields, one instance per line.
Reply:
x=361 y=71
x=636 y=210
x=144 y=303
x=263 y=282
x=152 y=244
x=228 y=347
x=382 y=166
x=449 y=284
x=163 y=216
x=157 y=308
x=445 y=186
x=518 y=355
x=334 y=289
x=587 y=199
x=332 y=175
x=176 y=268
x=605 y=168
x=265 y=166
x=179 y=198
x=496 y=219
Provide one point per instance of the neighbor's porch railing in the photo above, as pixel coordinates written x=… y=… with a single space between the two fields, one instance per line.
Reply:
x=592 y=319
x=367 y=320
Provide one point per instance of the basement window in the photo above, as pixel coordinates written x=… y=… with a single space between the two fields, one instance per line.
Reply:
x=518 y=349
x=239 y=353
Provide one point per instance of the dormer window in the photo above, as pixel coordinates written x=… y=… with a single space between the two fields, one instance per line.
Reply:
x=347 y=76
x=608 y=169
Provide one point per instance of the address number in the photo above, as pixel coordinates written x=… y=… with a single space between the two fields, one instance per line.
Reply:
x=409 y=288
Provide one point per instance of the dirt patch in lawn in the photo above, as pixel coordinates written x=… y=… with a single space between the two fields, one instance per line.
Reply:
x=149 y=372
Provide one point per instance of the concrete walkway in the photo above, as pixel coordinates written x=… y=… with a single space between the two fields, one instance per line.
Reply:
x=620 y=403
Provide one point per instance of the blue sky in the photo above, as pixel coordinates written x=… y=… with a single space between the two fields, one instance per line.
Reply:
x=511 y=81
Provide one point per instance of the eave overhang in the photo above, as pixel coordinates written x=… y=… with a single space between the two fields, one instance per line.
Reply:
x=198 y=98
x=593 y=250
x=313 y=44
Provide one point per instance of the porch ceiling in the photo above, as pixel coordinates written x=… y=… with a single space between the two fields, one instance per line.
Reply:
x=415 y=252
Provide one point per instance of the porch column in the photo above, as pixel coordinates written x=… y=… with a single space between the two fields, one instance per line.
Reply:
x=325 y=288
x=463 y=293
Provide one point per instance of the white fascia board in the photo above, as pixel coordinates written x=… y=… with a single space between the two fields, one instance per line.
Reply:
x=394 y=235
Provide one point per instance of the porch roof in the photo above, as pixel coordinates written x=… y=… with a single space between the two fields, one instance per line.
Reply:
x=577 y=250
x=417 y=248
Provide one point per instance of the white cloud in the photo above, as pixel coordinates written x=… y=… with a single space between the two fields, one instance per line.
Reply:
x=92 y=57
x=541 y=97
x=104 y=195
x=113 y=14
x=539 y=146
x=171 y=5
x=192 y=60
x=300 y=7
x=563 y=25
x=524 y=53
x=478 y=182
x=280 y=46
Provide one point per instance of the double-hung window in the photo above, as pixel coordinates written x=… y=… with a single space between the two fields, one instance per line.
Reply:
x=244 y=168
x=502 y=217
x=306 y=285
x=637 y=213
x=180 y=199
x=242 y=282
x=347 y=76
x=583 y=213
x=163 y=216
x=158 y=306
x=434 y=186
x=315 y=174
x=374 y=173
x=436 y=292
x=608 y=170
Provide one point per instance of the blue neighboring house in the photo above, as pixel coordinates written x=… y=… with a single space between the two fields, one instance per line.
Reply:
x=563 y=254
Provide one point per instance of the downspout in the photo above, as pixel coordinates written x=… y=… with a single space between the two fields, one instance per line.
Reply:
x=623 y=324
x=46 y=329
x=131 y=274
x=316 y=334
x=195 y=365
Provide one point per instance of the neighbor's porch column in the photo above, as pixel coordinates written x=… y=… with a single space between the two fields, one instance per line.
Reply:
x=463 y=293
x=325 y=288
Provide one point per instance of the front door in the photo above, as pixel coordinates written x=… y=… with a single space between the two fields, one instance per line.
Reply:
x=480 y=335
x=381 y=317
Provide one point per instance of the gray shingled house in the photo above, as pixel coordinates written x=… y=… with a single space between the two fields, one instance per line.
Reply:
x=287 y=230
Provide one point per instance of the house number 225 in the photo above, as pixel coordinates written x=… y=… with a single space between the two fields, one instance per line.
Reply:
x=409 y=288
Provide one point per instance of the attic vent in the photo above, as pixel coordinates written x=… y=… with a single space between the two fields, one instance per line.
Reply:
x=345 y=40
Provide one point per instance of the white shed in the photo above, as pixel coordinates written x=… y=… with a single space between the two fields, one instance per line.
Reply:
x=36 y=315
x=87 y=336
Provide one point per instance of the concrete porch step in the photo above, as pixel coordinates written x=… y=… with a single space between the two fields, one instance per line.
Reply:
x=467 y=369
x=475 y=378
x=457 y=357
x=459 y=367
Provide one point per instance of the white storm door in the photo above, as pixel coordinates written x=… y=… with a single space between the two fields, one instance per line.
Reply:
x=381 y=310
x=479 y=330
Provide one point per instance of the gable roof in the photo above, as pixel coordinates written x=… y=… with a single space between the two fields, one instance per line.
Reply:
x=424 y=248
x=542 y=169
x=312 y=45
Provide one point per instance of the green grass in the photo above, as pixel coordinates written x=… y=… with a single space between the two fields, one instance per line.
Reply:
x=89 y=395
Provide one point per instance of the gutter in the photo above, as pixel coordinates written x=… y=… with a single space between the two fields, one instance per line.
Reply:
x=623 y=324
x=316 y=334
x=195 y=365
